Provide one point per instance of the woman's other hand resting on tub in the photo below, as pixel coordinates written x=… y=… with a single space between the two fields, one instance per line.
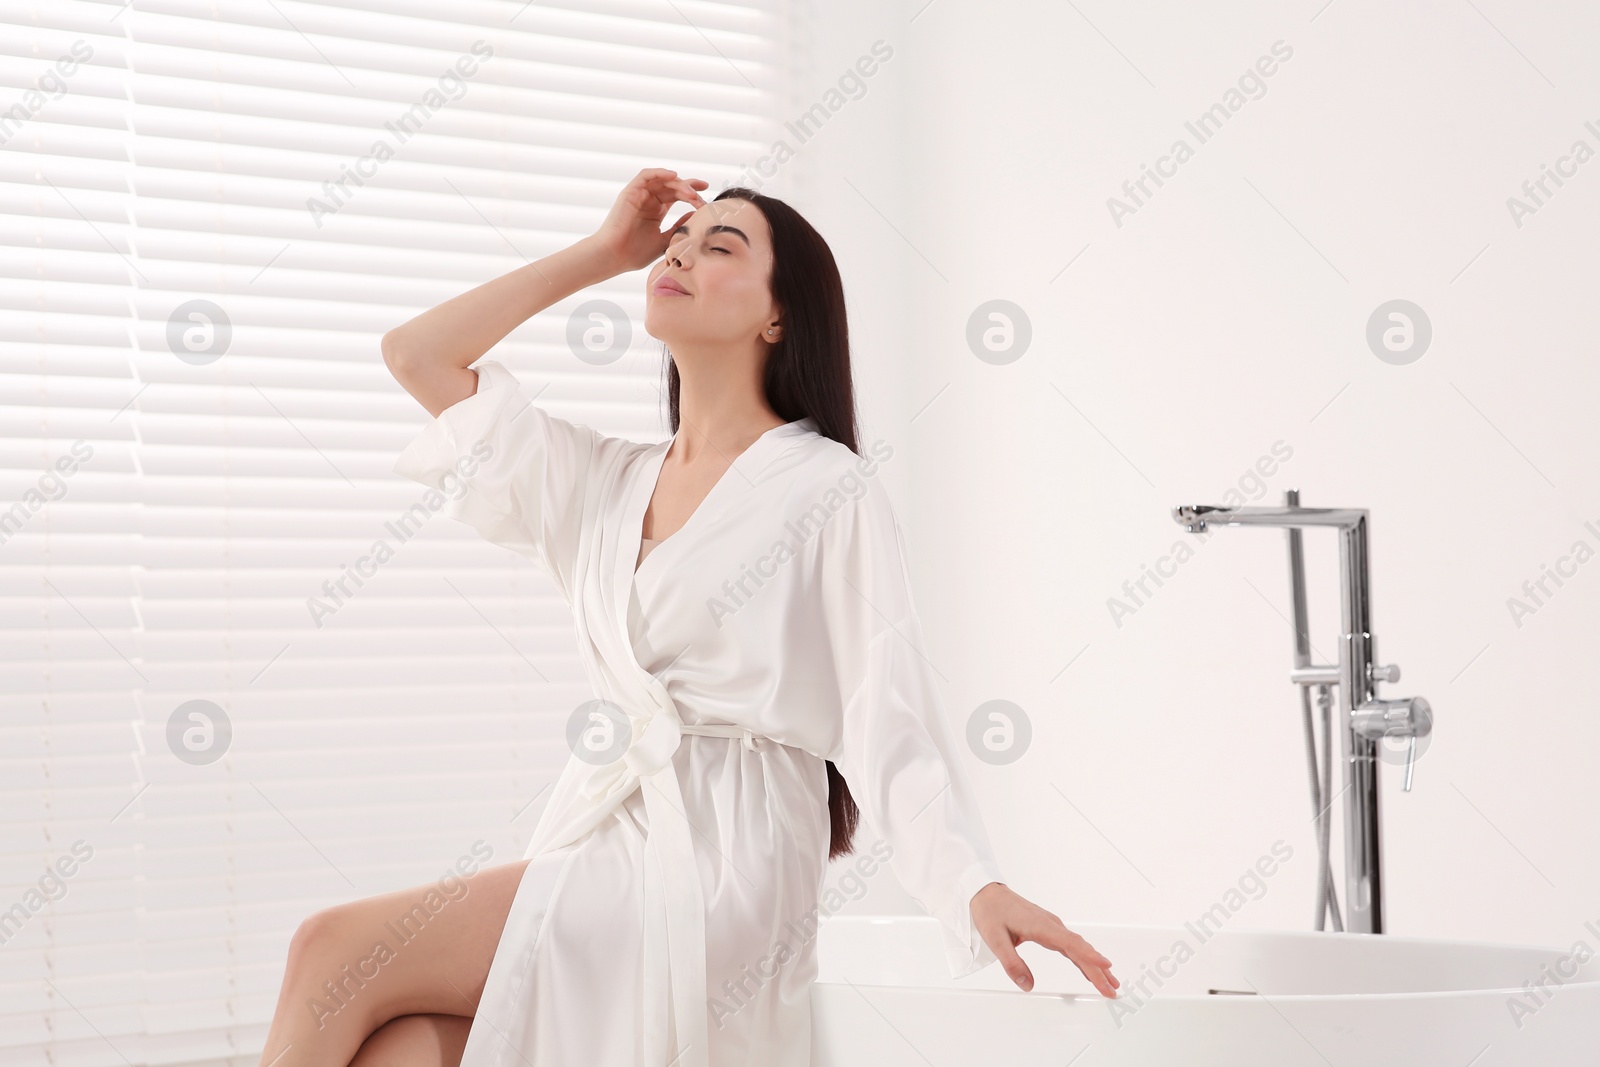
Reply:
x=1005 y=920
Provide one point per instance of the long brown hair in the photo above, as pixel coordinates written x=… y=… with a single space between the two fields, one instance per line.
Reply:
x=807 y=375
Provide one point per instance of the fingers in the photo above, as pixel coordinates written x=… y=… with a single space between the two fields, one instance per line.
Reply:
x=685 y=191
x=670 y=192
x=654 y=176
x=1014 y=920
x=1101 y=980
x=1015 y=969
x=1092 y=964
x=668 y=188
x=1095 y=967
x=662 y=172
x=1066 y=941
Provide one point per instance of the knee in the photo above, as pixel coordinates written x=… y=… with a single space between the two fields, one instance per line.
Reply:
x=325 y=972
x=318 y=939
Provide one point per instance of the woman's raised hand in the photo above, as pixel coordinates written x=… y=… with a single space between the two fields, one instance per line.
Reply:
x=1005 y=920
x=631 y=233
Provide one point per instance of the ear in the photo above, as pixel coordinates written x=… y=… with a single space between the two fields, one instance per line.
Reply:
x=772 y=332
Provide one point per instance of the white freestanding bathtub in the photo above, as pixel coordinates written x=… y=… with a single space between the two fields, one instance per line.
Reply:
x=884 y=998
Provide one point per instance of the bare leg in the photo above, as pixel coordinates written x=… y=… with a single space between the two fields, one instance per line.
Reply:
x=353 y=967
x=416 y=1041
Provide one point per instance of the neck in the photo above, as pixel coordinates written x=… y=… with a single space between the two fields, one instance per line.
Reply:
x=721 y=407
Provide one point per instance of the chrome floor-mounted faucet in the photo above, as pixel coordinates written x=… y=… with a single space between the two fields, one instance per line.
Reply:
x=1363 y=718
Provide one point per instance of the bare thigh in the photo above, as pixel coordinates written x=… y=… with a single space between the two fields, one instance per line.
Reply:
x=420 y=951
x=431 y=950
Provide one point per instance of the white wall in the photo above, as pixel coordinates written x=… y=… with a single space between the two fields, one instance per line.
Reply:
x=1225 y=315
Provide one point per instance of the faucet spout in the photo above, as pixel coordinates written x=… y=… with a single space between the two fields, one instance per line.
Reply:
x=1196 y=517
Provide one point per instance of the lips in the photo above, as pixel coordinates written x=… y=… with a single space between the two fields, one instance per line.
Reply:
x=667 y=285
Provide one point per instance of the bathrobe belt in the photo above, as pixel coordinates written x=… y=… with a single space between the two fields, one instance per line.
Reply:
x=674 y=901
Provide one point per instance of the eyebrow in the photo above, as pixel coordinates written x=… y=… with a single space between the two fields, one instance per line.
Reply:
x=684 y=229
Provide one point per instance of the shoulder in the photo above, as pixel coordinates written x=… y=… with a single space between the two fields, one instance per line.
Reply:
x=841 y=493
x=822 y=465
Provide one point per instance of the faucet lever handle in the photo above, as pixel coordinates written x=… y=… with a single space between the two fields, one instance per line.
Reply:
x=1409 y=717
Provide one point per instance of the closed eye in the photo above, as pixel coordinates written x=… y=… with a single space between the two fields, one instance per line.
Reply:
x=714 y=248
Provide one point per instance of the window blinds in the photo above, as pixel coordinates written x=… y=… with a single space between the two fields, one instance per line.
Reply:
x=237 y=687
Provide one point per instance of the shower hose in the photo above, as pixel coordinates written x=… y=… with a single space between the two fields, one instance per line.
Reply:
x=1321 y=785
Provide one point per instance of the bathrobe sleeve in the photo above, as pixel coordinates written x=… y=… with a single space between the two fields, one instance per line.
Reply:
x=897 y=751
x=509 y=469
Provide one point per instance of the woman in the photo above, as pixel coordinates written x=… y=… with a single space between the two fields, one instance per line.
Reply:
x=744 y=614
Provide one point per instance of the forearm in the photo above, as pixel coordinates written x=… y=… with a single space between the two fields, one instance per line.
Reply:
x=453 y=335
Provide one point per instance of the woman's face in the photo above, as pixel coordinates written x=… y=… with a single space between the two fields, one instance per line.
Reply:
x=721 y=255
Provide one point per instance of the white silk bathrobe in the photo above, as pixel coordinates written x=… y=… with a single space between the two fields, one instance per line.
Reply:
x=668 y=914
